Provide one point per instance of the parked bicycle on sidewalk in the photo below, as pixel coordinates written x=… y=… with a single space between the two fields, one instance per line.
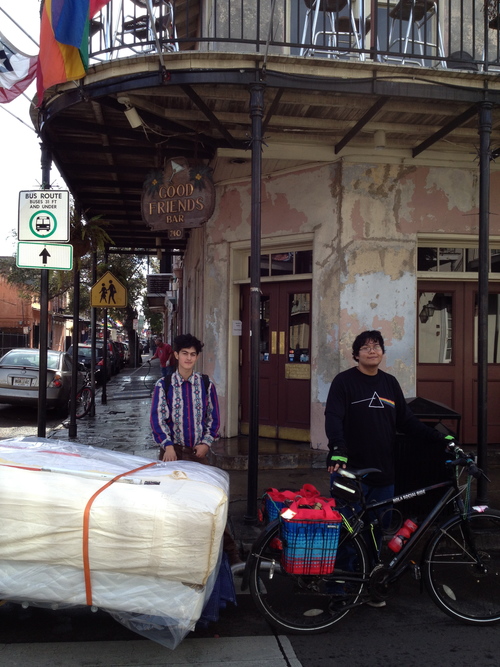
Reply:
x=85 y=397
x=457 y=556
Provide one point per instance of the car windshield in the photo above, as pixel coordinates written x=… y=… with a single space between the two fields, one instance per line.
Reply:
x=30 y=359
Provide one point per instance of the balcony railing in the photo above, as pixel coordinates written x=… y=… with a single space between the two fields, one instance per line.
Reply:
x=456 y=34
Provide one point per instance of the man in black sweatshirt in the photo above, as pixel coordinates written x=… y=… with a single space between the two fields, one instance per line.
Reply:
x=364 y=410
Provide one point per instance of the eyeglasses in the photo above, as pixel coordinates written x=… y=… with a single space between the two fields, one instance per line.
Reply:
x=370 y=348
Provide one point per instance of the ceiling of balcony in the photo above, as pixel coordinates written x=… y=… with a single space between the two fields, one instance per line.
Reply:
x=315 y=111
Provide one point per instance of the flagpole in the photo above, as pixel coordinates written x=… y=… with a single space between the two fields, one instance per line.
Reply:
x=17 y=117
x=20 y=28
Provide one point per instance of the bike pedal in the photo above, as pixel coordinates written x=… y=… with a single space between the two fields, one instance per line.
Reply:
x=415 y=571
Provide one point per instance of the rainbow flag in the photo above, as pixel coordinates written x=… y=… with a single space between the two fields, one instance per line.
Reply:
x=64 y=41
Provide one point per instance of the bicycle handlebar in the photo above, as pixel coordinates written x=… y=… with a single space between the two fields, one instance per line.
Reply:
x=464 y=460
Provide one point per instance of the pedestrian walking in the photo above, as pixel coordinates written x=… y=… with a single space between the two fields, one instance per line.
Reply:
x=165 y=354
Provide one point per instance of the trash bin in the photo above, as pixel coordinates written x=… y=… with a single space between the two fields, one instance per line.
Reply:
x=420 y=463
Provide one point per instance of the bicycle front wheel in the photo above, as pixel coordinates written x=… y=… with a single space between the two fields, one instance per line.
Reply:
x=304 y=604
x=462 y=568
x=84 y=400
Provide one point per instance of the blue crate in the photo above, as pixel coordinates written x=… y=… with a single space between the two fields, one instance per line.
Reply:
x=309 y=547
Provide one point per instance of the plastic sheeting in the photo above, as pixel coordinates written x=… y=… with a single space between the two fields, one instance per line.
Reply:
x=146 y=547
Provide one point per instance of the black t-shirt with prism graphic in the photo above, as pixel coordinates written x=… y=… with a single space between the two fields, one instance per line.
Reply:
x=362 y=416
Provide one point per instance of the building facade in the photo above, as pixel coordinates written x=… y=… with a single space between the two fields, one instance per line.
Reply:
x=355 y=141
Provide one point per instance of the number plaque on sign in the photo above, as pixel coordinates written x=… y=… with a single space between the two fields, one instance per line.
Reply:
x=175 y=234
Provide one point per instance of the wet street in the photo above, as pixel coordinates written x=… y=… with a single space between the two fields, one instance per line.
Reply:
x=15 y=420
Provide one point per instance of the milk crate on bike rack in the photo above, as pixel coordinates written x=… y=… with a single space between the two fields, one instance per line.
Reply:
x=310 y=543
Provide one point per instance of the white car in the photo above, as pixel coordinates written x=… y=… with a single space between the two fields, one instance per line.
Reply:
x=19 y=377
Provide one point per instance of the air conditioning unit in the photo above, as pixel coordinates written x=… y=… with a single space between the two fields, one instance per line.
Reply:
x=158 y=283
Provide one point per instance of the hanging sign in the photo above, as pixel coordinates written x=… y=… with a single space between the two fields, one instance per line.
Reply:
x=179 y=197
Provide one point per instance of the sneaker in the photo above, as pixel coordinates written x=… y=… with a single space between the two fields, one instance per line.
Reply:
x=377 y=603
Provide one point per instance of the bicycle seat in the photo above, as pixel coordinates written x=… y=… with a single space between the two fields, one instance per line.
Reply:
x=354 y=473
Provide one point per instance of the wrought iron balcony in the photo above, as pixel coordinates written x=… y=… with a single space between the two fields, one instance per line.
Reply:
x=448 y=34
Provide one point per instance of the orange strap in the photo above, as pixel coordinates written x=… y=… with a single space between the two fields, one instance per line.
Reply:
x=86 y=524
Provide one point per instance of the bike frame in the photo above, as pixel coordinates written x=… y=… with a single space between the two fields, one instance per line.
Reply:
x=399 y=563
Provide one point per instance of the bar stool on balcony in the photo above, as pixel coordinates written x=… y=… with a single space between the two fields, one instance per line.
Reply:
x=419 y=15
x=158 y=22
x=339 y=27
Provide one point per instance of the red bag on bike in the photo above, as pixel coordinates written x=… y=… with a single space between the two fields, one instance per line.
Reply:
x=274 y=500
x=312 y=509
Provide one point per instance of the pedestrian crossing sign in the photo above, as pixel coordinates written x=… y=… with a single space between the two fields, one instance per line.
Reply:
x=108 y=292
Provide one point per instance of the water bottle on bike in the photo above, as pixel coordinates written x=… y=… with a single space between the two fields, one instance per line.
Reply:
x=402 y=536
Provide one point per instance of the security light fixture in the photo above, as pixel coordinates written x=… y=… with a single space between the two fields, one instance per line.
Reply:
x=131 y=112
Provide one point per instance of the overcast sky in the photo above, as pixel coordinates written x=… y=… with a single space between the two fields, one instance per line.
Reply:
x=20 y=167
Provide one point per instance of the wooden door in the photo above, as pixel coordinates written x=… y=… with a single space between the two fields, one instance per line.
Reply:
x=284 y=369
x=447 y=352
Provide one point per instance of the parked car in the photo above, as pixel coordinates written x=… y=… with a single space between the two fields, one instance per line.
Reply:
x=19 y=377
x=85 y=357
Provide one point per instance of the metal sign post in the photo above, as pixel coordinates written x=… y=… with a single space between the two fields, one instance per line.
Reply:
x=44 y=316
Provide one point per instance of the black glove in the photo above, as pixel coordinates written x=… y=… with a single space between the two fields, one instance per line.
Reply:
x=336 y=456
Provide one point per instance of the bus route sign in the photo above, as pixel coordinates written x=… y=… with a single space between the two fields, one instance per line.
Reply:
x=44 y=216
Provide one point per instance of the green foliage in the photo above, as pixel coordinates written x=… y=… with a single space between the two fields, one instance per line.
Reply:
x=155 y=319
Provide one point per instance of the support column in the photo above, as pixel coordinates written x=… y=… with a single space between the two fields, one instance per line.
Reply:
x=485 y=124
x=46 y=161
x=104 y=393
x=72 y=429
x=93 y=333
x=256 y=114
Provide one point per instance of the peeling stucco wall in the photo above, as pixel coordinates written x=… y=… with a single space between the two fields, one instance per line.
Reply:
x=363 y=220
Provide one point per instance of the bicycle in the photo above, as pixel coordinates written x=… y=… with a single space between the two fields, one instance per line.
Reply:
x=84 y=397
x=460 y=561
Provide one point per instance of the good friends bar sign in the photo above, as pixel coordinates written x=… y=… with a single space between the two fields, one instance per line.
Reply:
x=180 y=196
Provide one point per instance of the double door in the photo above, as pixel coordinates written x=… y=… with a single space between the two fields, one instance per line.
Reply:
x=284 y=366
x=447 y=352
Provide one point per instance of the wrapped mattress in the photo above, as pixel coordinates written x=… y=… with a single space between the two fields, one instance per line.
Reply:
x=82 y=525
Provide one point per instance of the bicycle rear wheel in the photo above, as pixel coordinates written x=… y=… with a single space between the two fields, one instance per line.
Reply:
x=462 y=573
x=304 y=604
x=84 y=400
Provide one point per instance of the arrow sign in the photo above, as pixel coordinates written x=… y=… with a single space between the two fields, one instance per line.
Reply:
x=44 y=255
x=38 y=256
